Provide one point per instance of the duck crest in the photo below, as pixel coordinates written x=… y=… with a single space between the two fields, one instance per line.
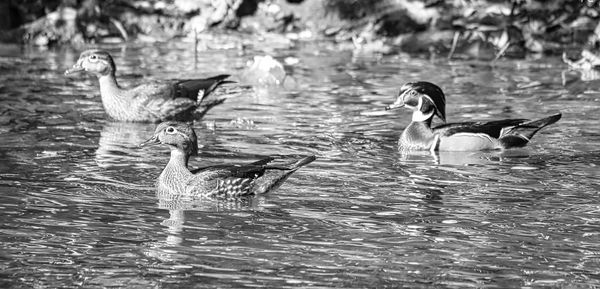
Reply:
x=433 y=93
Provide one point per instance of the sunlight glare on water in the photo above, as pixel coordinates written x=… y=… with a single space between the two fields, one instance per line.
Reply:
x=79 y=208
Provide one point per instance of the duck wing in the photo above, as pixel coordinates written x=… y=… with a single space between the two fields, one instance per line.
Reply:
x=519 y=135
x=493 y=129
x=191 y=88
x=227 y=180
x=201 y=92
x=170 y=99
x=178 y=88
x=276 y=173
x=154 y=101
x=236 y=170
x=248 y=179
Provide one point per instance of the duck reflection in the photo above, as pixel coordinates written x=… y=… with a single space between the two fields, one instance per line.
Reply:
x=118 y=143
x=178 y=205
x=467 y=158
x=455 y=158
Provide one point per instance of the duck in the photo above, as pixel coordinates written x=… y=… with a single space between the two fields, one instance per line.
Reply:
x=149 y=102
x=220 y=181
x=428 y=101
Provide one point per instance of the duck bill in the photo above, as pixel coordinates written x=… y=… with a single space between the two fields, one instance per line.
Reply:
x=398 y=104
x=75 y=69
x=151 y=141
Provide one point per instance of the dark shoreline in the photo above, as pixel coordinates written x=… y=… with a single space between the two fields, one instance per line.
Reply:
x=479 y=29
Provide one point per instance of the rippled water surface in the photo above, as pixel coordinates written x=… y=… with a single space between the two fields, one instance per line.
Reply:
x=79 y=210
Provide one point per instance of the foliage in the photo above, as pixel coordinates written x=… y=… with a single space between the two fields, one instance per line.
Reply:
x=480 y=28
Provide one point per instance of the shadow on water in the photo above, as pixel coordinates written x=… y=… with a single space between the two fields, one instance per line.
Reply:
x=80 y=209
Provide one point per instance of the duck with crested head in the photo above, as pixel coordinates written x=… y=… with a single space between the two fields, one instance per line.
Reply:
x=427 y=100
x=215 y=181
x=149 y=102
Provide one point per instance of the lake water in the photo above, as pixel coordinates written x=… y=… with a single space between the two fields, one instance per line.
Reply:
x=78 y=205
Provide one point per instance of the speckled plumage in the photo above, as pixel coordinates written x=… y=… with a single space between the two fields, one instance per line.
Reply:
x=416 y=136
x=150 y=102
x=223 y=181
x=427 y=100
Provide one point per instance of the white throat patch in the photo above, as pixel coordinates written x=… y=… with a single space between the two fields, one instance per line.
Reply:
x=420 y=116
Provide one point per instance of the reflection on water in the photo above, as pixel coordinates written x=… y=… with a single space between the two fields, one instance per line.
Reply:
x=177 y=206
x=118 y=145
x=452 y=158
x=79 y=206
x=493 y=157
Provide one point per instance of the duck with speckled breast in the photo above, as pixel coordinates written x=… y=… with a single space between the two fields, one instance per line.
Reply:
x=427 y=100
x=149 y=102
x=222 y=181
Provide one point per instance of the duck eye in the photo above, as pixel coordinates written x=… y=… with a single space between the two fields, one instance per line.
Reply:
x=170 y=129
x=93 y=57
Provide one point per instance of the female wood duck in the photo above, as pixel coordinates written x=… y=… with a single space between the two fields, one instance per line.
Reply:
x=149 y=102
x=427 y=100
x=214 y=181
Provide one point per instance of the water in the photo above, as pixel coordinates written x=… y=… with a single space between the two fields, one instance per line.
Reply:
x=78 y=206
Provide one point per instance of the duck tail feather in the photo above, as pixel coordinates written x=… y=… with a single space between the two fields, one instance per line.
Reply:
x=292 y=166
x=197 y=89
x=274 y=178
x=520 y=135
x=304 y=161
x=542 y=122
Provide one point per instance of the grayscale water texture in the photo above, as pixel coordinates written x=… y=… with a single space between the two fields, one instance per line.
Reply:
x=78 y=205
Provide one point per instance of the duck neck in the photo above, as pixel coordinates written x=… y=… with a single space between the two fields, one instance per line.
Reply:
x=109 y=88
x=114 y=100
x=417 y=135
x=175 y=175
x=179 y=159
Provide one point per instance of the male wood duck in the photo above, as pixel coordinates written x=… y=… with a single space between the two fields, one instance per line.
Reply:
x=149 y=102
x=427 y=100
x=215 y=181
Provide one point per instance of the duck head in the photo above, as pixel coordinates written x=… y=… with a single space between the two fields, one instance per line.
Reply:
x=177 y=135
x=424 y=98
x=97 y=62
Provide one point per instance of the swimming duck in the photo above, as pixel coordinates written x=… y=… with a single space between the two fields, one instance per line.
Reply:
x=215 y=181
x=149 y=102
x=427 y=100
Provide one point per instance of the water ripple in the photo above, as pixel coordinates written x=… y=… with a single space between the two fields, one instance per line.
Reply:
x=80 y=210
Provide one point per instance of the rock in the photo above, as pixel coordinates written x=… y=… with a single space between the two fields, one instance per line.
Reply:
x=265 y=71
